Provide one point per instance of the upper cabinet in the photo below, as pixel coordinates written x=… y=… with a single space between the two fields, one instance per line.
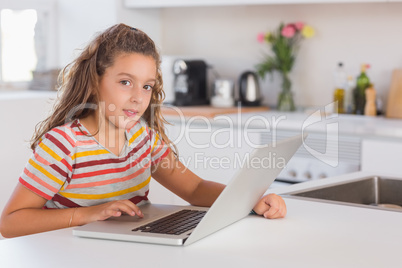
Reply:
x=192 y=3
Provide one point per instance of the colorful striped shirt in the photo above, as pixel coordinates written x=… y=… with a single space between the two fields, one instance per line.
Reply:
x=70 y=168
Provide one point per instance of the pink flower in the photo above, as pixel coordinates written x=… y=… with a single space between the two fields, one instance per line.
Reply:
x=299 y=25
x=260 y=37
x=288 y=31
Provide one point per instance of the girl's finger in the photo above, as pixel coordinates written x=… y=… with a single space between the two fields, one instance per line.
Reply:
x=269 y=214
x=128 y=207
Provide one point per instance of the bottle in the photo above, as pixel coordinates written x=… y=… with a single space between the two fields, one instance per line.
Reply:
x=379 y=105
x=349 y=105
x=370 y=107
x=340 y=88
x=362 y=83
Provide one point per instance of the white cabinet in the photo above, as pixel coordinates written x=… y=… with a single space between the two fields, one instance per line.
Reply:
x=192 y=3
x=19 y=113
x=382 y=156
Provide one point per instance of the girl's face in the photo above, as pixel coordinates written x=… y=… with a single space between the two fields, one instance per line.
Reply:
x=125 y=89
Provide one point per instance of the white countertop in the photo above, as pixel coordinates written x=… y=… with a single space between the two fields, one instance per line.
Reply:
x=313 y=234
x=310 y=121
x=27 y=94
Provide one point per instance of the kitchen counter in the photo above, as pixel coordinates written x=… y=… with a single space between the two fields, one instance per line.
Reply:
x=208 y=111
x=7 y=95
x=313 y=234
x=311 y=120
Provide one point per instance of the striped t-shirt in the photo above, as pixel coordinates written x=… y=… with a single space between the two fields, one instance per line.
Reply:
x=70 y=168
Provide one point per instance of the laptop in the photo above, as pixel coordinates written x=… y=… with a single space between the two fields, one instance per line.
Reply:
x=259 y=169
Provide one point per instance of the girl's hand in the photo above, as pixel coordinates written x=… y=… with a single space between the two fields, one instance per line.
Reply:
x=271 y=206
x=111 y=209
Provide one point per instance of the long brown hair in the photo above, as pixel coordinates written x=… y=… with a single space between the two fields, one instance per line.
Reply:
x=78 y=81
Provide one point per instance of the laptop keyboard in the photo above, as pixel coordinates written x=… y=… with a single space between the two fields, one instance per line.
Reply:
x=174 y=224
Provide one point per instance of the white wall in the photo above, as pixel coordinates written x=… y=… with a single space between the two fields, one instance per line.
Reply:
x=226 y=38
x=79 y=21
x=352 y=33
x=148 y=21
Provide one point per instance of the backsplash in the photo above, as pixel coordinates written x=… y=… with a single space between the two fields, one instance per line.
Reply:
x=352 y=33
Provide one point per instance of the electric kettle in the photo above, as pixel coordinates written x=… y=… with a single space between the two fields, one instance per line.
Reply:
x=249 y=89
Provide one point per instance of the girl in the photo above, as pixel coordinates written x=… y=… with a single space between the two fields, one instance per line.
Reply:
x=94 y=156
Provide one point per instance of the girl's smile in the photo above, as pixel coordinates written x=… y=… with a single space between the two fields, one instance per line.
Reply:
x=130 y=113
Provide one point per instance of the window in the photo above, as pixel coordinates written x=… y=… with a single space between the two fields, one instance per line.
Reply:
x=18 y=54
x=27 y=41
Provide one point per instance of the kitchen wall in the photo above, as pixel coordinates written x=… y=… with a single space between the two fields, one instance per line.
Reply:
x=352 y=33
x=78 y=21
x=226 y=38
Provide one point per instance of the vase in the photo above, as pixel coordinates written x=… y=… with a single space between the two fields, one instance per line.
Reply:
x=285 y=99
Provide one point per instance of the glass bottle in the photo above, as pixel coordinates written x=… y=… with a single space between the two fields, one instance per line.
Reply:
x=340 y=88
x=362 y=83
x=349 y=105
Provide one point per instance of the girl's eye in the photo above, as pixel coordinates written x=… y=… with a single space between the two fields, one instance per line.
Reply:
x=148 y=87
x=125 y=83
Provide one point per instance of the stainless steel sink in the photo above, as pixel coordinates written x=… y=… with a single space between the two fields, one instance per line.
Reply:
x=370 y=192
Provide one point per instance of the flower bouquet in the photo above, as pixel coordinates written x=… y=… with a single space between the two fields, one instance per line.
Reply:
x=284 y=43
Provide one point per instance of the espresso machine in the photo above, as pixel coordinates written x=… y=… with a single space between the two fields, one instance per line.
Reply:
x=190 y=82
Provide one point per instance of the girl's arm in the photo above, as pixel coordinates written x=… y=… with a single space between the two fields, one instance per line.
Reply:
x=173 y=175
x=24 y=215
